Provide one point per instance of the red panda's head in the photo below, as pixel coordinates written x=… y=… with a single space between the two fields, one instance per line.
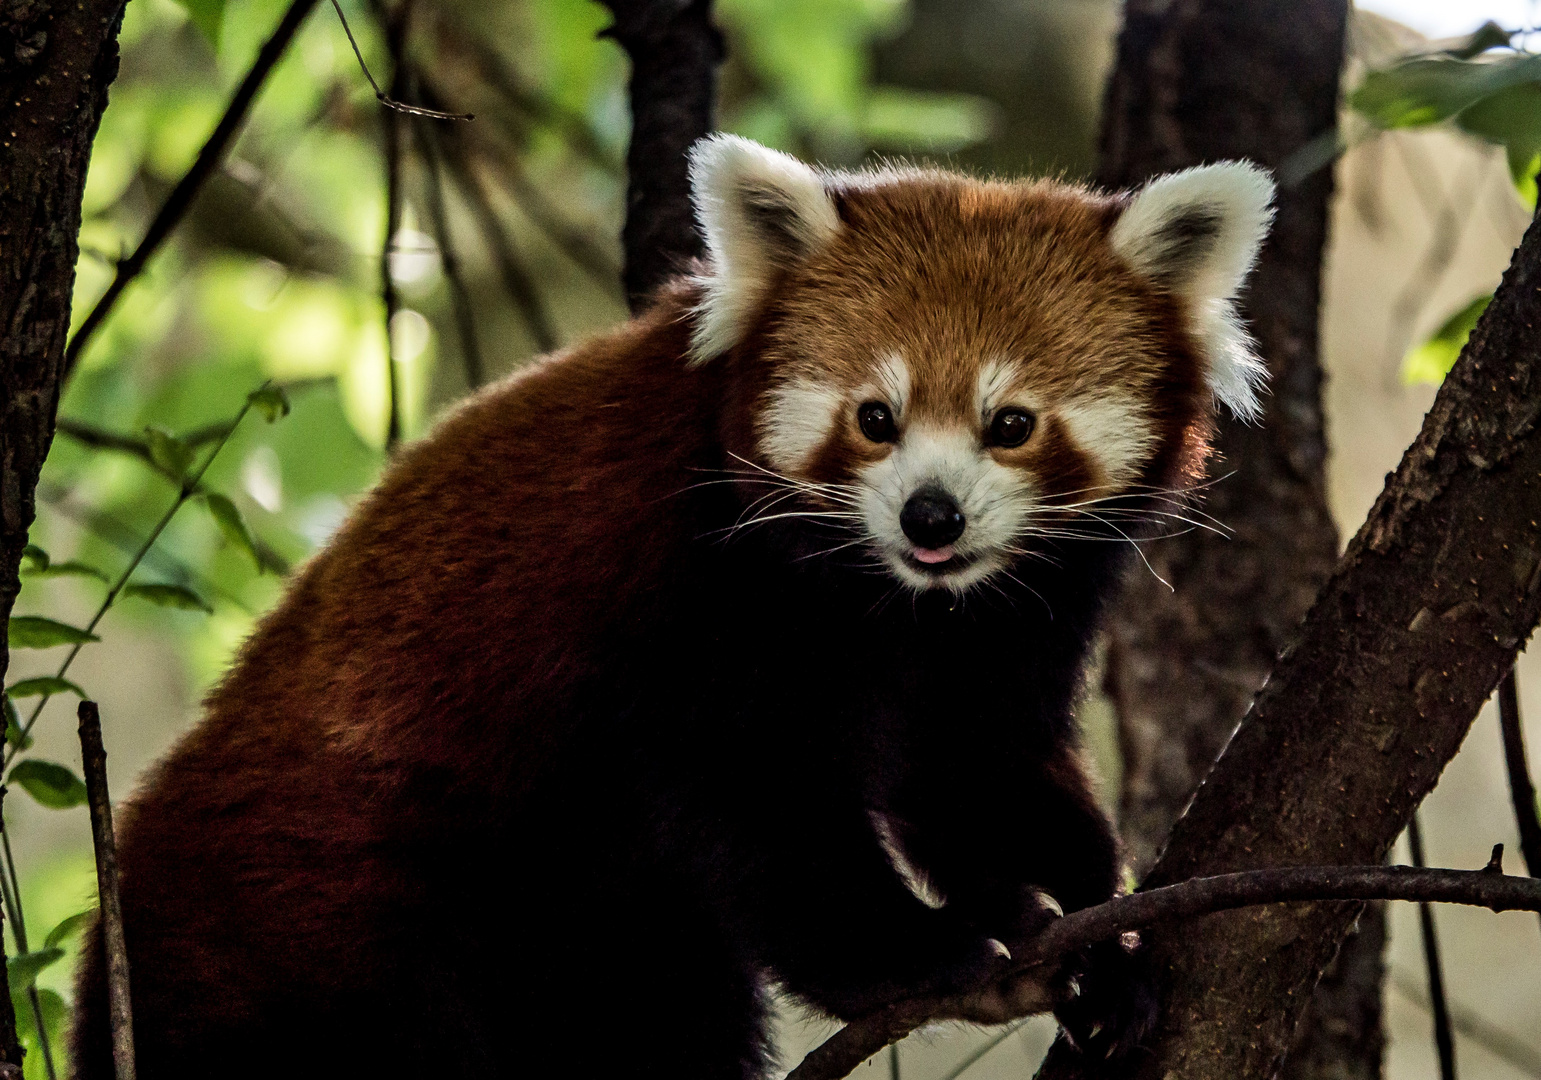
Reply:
x=955 y=369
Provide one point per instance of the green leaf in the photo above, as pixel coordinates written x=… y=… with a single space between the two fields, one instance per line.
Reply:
x=36 y=632
x=55 y=1019
x=230 y=522
x=24 y=969
x=1432 y=361
x=208 y=16
x=69 y=927
x=172 y=596
x=36 y=557
x=1430 y=89
x=271 y=401
x=43 y=684
x=919 y=120
x=170 y=454
x=53 y=785
x=13 y=734
x=72 y=568
x=1511 y=118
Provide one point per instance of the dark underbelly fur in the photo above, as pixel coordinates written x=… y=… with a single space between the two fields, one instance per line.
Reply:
x=710 y=828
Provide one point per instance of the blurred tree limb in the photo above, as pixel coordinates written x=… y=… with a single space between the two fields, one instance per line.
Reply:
x=1198 y=81
x=675 y=50
x=204 y=166
x=56 y=62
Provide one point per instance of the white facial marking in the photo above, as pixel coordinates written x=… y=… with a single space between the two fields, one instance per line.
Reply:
x=994 y=500
x=892 y=384
x=1112 y=430
x=990 y=388
x=798 y=420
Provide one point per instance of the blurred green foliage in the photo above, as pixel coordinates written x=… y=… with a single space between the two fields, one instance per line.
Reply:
x=1487 y=90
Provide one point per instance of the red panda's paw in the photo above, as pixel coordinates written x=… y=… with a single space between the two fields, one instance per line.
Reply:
x=1114 y=1004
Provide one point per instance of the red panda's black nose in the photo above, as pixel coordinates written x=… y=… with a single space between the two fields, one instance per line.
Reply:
x=931 y=519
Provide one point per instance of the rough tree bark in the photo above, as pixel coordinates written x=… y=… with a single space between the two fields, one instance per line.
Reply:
x=1411 y=634
x=56 y=62
x=1199 y=81
x=675 y=50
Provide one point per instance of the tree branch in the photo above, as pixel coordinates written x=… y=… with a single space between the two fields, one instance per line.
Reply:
x=1423 y=615
x=856 y=1042
x=181 y=198
x=674 y=50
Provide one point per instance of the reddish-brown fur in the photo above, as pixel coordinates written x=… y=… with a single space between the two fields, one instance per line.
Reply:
x=407 y=698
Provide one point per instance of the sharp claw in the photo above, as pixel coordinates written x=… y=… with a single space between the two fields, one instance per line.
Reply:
x=999 y=949
x=1048 y=903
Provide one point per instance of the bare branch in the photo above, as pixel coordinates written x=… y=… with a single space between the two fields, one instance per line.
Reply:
x=858 y=1041
x=93 y=758
x=181 y=198
x=1526 y=810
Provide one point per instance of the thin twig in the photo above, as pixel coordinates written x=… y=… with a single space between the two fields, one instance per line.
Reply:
x=181 y=198
x=395 y=34
x=380 y=95
x=449 y=258
x=1521 y=789
x=516 y=279
x=93 y=757
x=1444 y=1042
x=857 y=1041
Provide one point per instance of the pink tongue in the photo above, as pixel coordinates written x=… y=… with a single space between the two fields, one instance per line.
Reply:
x=934 y=555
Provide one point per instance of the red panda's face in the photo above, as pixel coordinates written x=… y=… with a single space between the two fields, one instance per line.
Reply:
x=951 y=370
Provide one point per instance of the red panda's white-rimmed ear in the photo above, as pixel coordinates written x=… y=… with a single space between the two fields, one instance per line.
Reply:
x=758 y=210
x=1197 y=234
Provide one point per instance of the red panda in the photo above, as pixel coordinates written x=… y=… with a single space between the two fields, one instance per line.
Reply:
x=735 y=647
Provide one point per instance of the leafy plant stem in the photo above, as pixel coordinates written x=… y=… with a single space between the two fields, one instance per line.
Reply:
x=10 y=891
x=188 y=490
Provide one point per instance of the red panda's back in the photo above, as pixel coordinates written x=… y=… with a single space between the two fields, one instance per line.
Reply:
x=417 y=656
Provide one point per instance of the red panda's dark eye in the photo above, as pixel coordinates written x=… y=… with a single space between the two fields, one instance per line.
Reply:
x=877 y=422
x=1011 y=427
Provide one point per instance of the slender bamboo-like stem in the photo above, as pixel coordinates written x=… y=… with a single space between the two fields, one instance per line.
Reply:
x=181 y=198
x=10 y=891
x=1444 y=1041
x=119 y=1005
x=395 y=36
x=10 y=1047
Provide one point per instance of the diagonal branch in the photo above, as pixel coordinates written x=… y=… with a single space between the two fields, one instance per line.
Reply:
x=181 y=198
x=1488 y=888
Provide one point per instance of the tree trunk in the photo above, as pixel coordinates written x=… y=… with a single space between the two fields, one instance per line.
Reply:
x=1411 y=634
x=675 y=50
x=56 y=62
x=1199 y=81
